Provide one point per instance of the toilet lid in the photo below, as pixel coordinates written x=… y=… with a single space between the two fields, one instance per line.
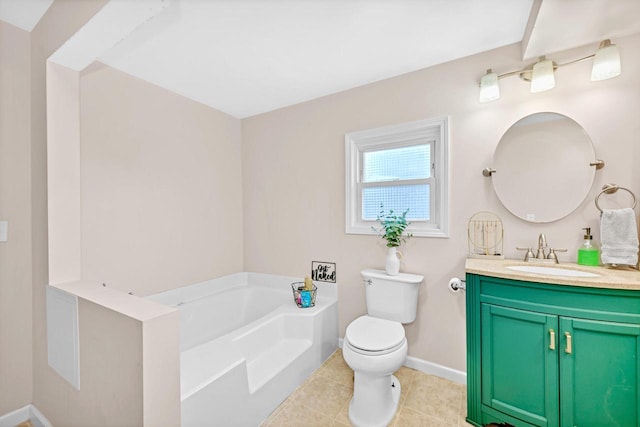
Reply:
x=373 y=334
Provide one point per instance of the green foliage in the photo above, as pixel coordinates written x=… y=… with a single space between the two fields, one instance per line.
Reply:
x=392 y=227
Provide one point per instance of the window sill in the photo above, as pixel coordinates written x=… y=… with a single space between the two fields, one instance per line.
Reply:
x=415 y=231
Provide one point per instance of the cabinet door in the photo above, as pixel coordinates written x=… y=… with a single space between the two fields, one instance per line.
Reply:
x=520 y=364
x=599 y=373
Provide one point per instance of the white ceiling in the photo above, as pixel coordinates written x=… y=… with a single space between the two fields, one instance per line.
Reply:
x=23 y=14
x=565 y=24
x=251 y=56
x=245 y=57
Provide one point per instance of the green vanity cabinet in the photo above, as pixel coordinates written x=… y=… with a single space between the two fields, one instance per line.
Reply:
x=599 y=373
x=552 y=355
x=514 y=354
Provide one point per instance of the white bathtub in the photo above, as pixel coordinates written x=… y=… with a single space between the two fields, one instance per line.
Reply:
x=245 y=345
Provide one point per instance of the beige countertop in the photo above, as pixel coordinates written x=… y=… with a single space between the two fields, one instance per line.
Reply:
x=611 y=278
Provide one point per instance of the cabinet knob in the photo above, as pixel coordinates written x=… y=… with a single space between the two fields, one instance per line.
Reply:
x=552 y=339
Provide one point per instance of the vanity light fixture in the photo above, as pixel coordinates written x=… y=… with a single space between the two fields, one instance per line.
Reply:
x=606 y=65
x=542 y=77
x=606 y=62
x=489 y=89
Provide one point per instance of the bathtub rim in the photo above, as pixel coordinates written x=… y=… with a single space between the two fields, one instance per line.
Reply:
x=189 y=293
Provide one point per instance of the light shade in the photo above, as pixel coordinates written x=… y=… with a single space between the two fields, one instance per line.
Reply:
x=606 y=62
x=542 y=77
x=489 y=89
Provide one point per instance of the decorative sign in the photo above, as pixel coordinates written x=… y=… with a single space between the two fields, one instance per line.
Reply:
x=323 y=271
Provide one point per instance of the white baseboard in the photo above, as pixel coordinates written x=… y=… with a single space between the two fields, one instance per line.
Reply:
x=441 y=371
x=431 y=368
x=21 y=415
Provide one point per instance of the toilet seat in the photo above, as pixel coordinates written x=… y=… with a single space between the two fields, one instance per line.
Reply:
x=374 y=336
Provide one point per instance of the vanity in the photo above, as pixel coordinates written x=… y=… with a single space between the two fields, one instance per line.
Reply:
x=552 y=346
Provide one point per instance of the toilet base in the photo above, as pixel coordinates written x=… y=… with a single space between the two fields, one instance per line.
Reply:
x=375 y=400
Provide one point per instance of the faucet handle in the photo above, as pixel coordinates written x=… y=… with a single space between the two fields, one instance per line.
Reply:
x=529 y=253
x=552 y=254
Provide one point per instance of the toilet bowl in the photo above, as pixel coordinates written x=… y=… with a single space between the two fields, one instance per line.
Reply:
x=375 y=346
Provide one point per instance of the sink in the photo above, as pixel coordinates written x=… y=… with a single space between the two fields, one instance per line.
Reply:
x=551 y=271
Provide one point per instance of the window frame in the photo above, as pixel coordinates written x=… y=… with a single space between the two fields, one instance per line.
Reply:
x=434 y=131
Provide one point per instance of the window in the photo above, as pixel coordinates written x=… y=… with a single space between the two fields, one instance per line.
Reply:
x=401 y=167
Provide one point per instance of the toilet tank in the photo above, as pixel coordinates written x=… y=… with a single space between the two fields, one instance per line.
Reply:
x=392 y=297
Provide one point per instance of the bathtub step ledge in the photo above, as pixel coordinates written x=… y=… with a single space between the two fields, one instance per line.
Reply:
x=203 y=364
x=274 y=360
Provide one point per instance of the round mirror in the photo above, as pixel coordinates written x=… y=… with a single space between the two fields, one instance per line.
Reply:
x=542 y=167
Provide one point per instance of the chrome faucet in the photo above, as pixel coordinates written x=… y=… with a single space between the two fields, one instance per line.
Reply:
x=541 y=257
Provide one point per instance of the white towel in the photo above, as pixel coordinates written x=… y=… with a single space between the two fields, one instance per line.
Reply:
x=619 y=237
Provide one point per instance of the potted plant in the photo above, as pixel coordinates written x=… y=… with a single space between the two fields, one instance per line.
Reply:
x=392 y=229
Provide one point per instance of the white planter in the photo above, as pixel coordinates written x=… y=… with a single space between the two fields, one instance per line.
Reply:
x=392 y=264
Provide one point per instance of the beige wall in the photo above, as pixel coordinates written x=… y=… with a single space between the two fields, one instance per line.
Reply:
x=16 y=378
x=293 y=175
x=63 y=173
x=61 y=20
x=109 y=343
x=128 y=375
x=114 y=339
x=161 y=186
x=155 y=204
x=23 y=259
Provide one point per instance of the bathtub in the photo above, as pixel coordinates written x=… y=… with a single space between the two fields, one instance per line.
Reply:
x=245 y=345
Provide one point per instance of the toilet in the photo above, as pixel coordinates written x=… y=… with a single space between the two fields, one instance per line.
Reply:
x=375 y=346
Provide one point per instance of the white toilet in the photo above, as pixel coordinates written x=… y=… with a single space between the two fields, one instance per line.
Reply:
x=375 y=346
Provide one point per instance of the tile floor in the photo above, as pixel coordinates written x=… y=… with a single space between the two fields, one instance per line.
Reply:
x=323 y=400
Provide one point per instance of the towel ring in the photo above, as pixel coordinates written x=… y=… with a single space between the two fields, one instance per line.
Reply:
x=612 y=188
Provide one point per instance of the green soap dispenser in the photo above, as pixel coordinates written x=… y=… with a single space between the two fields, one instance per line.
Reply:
x=588 y=253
